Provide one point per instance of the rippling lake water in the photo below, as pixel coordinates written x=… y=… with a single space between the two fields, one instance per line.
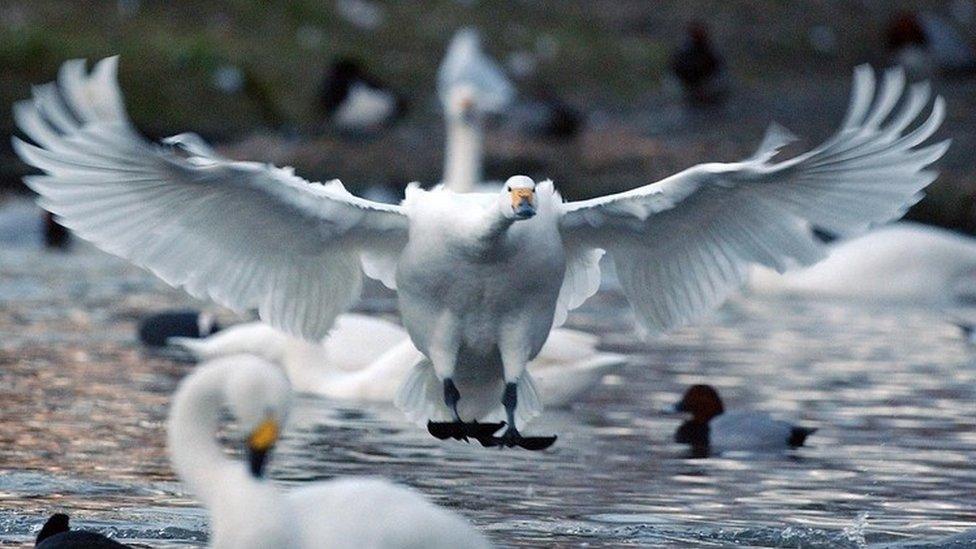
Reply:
x=891 y=390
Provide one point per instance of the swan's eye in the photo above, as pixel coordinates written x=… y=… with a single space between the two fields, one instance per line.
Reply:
x=509 y=189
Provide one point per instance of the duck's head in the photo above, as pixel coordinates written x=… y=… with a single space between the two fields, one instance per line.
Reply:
x=260 y=403
x=517 y=199
x=702 y=402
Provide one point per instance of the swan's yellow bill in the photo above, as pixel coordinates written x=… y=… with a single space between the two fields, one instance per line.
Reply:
x=264 y=436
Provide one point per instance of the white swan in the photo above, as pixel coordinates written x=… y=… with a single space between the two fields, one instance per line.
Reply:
x=367 y=359
x=902 y=262
x=247 y=510
x=470 y=86
x=481 y=277
x=348 y=363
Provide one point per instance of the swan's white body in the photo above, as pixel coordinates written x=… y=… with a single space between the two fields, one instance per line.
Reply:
x=481 y=280
x=905 y=262
x=368 y=359
x=249 y=512
x=464 y=295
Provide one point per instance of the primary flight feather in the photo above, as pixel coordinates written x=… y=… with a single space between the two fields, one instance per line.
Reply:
x=481 y=277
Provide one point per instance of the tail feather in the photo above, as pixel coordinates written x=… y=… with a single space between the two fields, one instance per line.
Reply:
x=418 y=396
x=421 y=399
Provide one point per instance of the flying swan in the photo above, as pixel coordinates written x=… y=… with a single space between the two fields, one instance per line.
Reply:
x=246 y=510
x=365 y=358
x=481 y=277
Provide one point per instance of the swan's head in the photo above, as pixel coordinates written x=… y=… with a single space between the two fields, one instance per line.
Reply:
x=259 y=397
x=518 y=197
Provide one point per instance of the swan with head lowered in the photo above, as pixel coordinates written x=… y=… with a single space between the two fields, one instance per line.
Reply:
x=367 y=359
x=246 y=510
x=481 y=277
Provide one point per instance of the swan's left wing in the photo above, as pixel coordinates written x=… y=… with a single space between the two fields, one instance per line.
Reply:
x=245 y=234
x=681 y=245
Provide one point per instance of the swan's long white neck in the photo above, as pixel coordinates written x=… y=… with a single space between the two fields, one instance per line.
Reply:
x=462 y=161
x=196 y=455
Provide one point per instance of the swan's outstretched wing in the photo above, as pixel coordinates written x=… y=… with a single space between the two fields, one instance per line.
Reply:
x=245 y=234
x=466 y=64
x=682 y=245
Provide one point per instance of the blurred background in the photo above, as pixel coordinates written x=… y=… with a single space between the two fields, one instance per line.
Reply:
x=610 y=95
x=249 y=76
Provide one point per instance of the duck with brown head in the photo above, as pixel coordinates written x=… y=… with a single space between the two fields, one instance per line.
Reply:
x=712 y=429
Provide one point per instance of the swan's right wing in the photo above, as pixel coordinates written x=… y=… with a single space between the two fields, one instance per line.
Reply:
x=245 y=234
x=681 y=245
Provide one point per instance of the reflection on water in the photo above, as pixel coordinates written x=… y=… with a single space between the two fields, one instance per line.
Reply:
x=891 y=391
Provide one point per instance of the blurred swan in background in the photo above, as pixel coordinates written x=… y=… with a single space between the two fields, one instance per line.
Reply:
x=478 y=300
x=365 y=358
x=354 y=101
x=246 y=510
x=902 y=262
x=470 y=86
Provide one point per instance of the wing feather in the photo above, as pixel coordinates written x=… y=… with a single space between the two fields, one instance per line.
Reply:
x=683 y=244
x=244 y=234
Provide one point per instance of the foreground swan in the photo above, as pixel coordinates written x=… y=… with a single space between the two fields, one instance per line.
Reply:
x=365 y=358
x=903 y=262
x=248 y=511
x=481 y=277
x=351 y=362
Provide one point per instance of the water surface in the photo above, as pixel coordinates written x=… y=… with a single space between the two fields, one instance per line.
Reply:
x=891 y=390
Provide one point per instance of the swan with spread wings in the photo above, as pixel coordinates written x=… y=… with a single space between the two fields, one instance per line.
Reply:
x=481 y=277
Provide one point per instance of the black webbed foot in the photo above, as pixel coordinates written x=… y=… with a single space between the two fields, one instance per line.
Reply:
x=460 y=430
x=512 y=438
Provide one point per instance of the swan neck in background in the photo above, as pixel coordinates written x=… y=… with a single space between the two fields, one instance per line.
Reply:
x=462 y=161
x=196 y=455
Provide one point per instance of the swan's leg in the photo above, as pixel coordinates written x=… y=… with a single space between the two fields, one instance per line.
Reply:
x=515 y=356
x=443 y=348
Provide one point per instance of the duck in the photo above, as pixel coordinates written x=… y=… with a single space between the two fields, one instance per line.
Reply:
x=156 y=329
x=57 y=534
x=354 y=101
x=903 y=262
x=699 y=68
x=367 y=359
x=471 y=86
x=247 y=510
x=481 y=277
x=712 y=428
x=547 y=116
x=923 y=41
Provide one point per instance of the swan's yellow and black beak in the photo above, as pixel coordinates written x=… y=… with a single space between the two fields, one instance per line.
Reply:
x=259 y=443
x=522 y=203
